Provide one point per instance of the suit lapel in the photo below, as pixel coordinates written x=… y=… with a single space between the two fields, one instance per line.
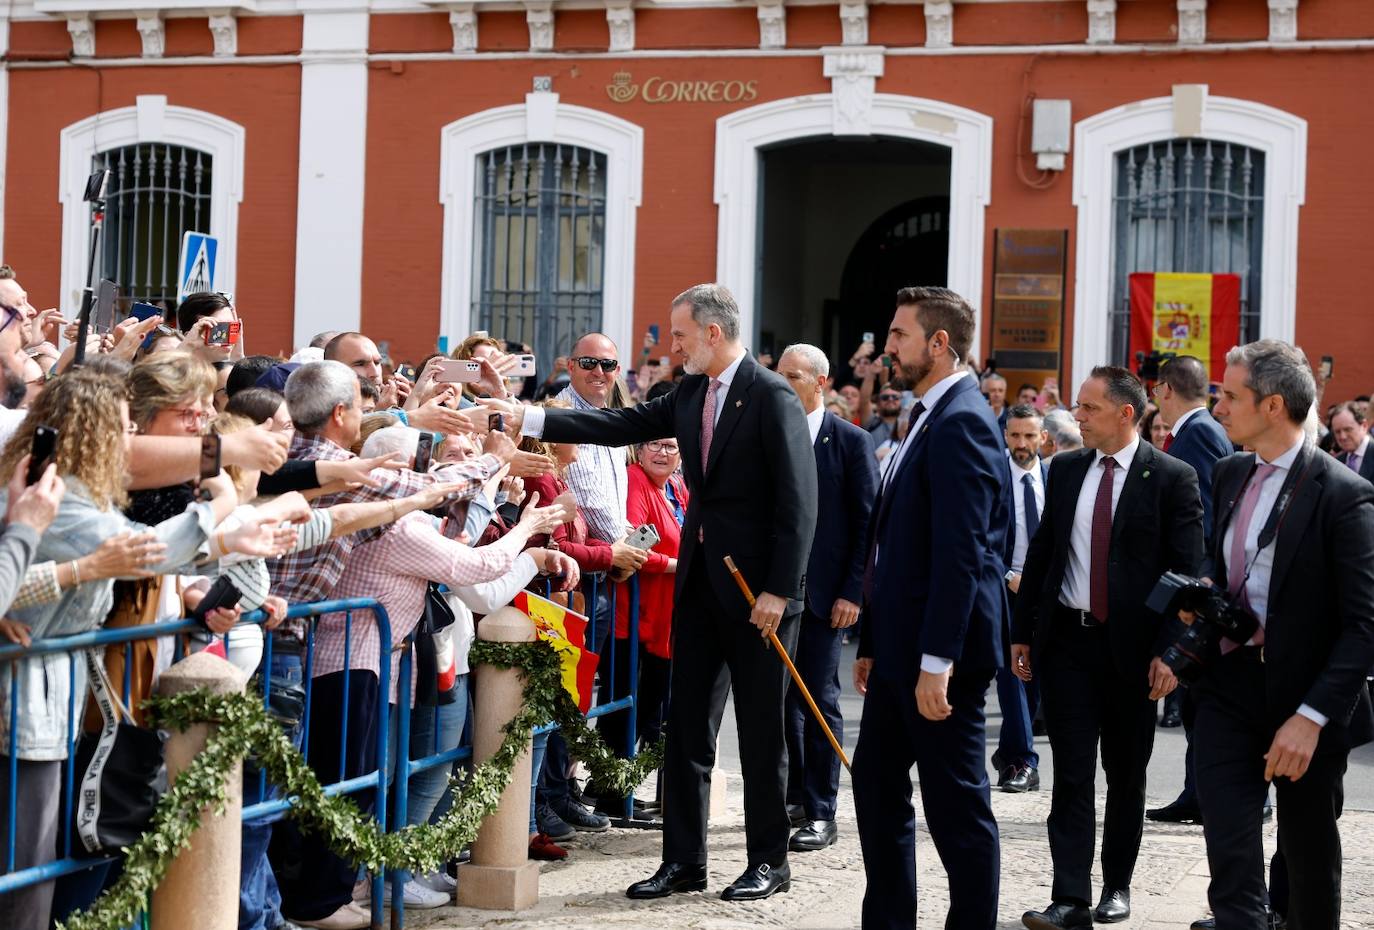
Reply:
x=826 y=437
x=959 y=387
x=1300 y=513
x=691 y=436
x=1229 y=498
x=736 y=400
x=1137 y=476
x=1069 y=490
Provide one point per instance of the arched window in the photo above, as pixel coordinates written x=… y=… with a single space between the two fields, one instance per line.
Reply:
x=539 y=244
x=156 y=193
x=1187 y=205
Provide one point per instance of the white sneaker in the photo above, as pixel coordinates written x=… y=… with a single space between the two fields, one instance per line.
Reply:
x=438 y=880
x=348 y=917
x=419 y=897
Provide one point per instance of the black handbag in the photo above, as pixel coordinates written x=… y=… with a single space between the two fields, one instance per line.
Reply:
x=437 y=615
x=122 y=774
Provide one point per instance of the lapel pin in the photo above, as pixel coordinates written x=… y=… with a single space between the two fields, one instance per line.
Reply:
x=825 y=440
x=739 y=403
x=1145 y=473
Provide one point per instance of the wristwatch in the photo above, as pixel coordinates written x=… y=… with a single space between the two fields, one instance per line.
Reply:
x=1009 y=576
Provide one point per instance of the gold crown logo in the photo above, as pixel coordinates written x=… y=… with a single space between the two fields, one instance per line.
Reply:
x=621 y=90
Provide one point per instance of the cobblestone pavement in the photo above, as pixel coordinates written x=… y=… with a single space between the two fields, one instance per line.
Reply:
x=587 y=891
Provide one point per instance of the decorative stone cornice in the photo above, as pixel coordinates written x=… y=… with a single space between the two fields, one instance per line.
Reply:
x=462 y=19
x=153 y=33
x=772 y=24
x=82 y=31
x=1283 y=20
x=1101 y=22
x=939 y=23
x=539 y=17
x=853 y=73
x=1192 y=22
x=620 y=21
x=224 y=27
x=854 y=22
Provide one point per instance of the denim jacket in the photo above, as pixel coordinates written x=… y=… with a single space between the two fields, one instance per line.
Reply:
x=46 y=682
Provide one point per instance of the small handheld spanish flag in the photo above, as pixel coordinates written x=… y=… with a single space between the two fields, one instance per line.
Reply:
x=567 y=631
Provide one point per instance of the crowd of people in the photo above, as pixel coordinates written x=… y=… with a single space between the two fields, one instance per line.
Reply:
x=918 y=505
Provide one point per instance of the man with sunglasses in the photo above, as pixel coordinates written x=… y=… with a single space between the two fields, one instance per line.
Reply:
x=12 y=358
x=751 y=471
x=883 y=426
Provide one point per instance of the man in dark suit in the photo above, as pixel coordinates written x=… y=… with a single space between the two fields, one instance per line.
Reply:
x=752 y=477
x=847 y=480
x=1352 y=438
x=1118 y=514
x=1016 y=762
x=1197 y=438
x=1294 y=546
x=935 y=599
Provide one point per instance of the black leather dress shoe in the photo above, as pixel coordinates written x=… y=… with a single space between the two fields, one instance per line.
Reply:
x=671 y=878
x=1206 y=923
x=1175 y=813
x=759 y=882
x=1171 y=719
x=1057 y=916
x=1114 y=906
x=1024 y=778
x=817 y=834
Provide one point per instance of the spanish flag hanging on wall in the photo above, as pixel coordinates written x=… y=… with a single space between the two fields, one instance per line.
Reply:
x=1186 y=314
x=568 y=633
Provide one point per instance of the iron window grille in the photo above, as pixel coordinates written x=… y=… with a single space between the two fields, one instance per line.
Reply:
x=1187 y=205
x=157 y=192
x=539 y=245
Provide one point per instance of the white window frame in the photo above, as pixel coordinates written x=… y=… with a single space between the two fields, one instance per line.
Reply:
x=740 y=135
x=1097 y=140
x=149 y=120
x=542 y=118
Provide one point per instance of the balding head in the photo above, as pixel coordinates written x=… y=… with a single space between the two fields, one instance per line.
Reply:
x=357 y=352
x=593 y=384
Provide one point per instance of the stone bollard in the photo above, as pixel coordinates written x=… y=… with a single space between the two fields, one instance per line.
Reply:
x=201 y=888
x=500 y=875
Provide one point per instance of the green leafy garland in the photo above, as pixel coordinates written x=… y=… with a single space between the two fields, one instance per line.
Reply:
x=244 y=728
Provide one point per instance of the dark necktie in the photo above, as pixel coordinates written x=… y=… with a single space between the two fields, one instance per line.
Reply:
x=1032 y=514
x=1168 y=441
x=1101 y=542
x=879 y=508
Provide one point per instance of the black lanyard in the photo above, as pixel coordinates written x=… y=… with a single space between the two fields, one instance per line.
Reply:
x=1306 y=458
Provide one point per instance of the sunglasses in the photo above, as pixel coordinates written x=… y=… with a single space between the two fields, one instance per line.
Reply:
x=889 y=397
x=588 y=362
x=12 y=316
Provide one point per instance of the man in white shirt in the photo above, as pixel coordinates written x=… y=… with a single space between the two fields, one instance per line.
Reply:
x=1294 y=546
x=1118 y=514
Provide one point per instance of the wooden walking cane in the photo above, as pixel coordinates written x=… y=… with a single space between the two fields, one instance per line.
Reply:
x=787 y=660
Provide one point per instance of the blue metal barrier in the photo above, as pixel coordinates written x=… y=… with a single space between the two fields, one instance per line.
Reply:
x=266 y=807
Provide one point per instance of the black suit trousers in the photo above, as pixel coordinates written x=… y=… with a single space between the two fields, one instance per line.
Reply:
x=813 y=777
x=1231 y=738
x=712 y=652
x=1087 y=703
x=950 y=757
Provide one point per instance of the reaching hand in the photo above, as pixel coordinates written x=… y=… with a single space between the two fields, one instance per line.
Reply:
x=434 y=495
x=127 y=555
x=38 y=327
x=538 y=520
x=500 y=445
x=435 y=416
x=291 y=507
x=129 y=336
x=512 y=413
x=492 y=381
x=259 y=537
x=256 y=448
x=560 y=563
x=35 y=506
x=358 y=471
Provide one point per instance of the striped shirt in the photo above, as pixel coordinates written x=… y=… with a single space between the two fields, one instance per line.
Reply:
x=599 y=482
x=396 y=569
x=311 y=575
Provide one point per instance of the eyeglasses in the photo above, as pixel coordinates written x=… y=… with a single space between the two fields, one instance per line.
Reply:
x=192 y=419
x=11 y=316
x=588 y=362
x=889 y=397
x=668 y=447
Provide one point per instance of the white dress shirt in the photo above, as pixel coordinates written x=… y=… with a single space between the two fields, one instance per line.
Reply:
x=726 y=378
x=935 y=665
x=814 y=419
x=1077 y=589
x=1262 y=564
x=1173 y=430
x=1022 y=542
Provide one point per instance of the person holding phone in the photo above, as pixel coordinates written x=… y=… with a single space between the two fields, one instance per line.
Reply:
x=212 y=327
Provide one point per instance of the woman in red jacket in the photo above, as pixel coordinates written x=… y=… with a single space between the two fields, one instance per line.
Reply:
x=658 y=496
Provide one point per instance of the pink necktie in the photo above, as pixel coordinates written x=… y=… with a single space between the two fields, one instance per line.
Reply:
x=708 y=422
x=1353 y=461
x=1235 y=559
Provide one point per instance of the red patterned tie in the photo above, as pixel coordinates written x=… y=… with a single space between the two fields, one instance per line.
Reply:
x=1168 y=441
x=1101 y=542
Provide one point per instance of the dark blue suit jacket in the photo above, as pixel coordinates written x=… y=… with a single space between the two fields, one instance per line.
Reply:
x=941 y=528
x=847 y=483
x=1202 y=443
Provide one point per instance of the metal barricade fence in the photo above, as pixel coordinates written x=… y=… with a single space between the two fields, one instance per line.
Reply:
x=260 y=805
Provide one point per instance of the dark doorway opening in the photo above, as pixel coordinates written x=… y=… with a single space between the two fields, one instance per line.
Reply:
x=845 y=223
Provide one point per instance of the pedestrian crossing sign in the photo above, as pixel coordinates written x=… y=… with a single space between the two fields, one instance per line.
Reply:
x=198 y=254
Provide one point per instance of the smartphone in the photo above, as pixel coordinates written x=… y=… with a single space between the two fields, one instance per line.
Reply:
x=665 y=362
x=457 y=371
x=209 y=457
x=524 y=367
x=223 y=593
x=1327 y=366
x=141 y=311
x=103 y=313
x=653 y=332
x=96 y=185
x=223 y=334
x=424 y=451
x=44 y=446
x=645 y=537
x=868 y=337
x=496 y=423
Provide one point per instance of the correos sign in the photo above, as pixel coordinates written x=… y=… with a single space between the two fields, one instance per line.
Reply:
x=623 y=89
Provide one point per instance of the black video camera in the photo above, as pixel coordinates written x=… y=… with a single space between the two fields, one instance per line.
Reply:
x=1217 y=618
